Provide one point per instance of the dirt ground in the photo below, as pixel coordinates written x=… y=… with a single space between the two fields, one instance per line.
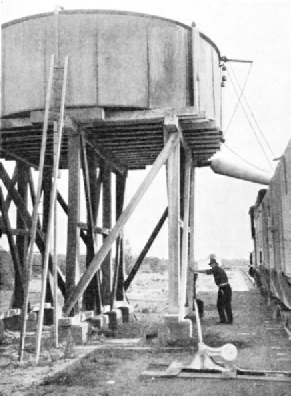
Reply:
x=113 y=363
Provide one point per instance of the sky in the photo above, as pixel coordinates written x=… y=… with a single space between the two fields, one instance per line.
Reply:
x=258 y=31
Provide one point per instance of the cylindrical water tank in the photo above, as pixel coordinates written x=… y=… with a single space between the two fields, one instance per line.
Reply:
x=116 y=60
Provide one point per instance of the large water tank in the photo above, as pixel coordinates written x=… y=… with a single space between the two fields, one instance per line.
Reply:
x=116 y=60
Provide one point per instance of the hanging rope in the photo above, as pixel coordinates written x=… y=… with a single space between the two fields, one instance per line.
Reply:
x=251 y=125
x=239 y=99
x=253 y=116
x=243 y=159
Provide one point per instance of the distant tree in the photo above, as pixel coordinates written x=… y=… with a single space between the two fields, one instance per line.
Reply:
x=128 y=257
x=154 y=264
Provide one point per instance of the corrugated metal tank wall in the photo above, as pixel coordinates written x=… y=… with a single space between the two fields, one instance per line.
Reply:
x=116 y=59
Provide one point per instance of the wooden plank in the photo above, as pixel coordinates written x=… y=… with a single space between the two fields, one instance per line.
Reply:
x=101 y=254
x=105 y=154
x=15 y=123
x=122 y=72
x=78 y=39
x=133 y=146
x=106 y=267
x=201 y=126
x=17 y=47
x=57 y=151
x=35 y=218
x=18 y=158
x=154 y=115
x=185 y=238
x=174 y=278
x=195 y=63
x=65 y=208
x=192 y=263
x=118 y=282
x=21 y=240
x=14 y=231
x=92 y=298
x=80 y=115
x=168 y=79
x=72 y=261
x=116 y=139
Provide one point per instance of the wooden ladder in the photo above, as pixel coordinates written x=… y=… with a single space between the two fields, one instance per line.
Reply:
x=57 y=83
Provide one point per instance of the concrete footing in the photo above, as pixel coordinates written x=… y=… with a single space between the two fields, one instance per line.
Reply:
x=178 y=329
x=115 y=318
x=127 y=313
x=79 y=332
x=99 y=321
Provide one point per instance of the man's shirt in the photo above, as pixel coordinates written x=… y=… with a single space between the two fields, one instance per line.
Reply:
x=219 y=274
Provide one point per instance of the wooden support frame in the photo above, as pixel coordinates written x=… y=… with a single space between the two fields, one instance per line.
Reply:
x=65 y=208
x=195 y=64
x=21 y=240
x=57 y=153
x=47 y=187
x=101 y=254
x=174 y=275
x=72 y=263
x=191 y=286
x=33 y=196
x=107 y=266
x=118 y=279
x=13 y=247
x=92 y=297
x=145 y=249
x=185 y=239
x=116 y=165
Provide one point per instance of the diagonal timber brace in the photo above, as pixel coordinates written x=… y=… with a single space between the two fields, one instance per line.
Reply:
x=40 y=241
x=102 y=253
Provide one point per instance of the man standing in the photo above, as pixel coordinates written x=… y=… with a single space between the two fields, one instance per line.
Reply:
x=224 y=290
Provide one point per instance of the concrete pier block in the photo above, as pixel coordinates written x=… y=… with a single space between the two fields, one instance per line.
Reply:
x=99 y=321
x=127 y=312
x=32 y=317
x=48 y=316
x=86 y=315
x=115 y=317
x=69 y=321
x=79 y=333
x=180 y=330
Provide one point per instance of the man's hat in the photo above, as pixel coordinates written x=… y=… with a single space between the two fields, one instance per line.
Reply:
x=212 y=258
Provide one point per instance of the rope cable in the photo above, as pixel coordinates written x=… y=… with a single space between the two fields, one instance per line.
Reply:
x=243 y=159
x=252 y=114
x=256 y=135
x=239 y=99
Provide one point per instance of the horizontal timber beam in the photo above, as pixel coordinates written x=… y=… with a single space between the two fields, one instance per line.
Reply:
x=150 y=115
x=97 y=230
x=80 y=115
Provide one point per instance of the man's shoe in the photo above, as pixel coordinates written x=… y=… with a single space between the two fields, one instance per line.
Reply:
x=221 y=322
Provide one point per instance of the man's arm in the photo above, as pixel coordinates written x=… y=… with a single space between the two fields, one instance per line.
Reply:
x=205 y=271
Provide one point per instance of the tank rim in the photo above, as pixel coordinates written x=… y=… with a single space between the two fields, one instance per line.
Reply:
x=112 y=12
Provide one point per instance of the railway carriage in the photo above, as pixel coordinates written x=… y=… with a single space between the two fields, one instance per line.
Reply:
x=271 y=233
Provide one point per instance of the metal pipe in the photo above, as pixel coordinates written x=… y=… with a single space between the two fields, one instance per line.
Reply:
x=222 y=166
